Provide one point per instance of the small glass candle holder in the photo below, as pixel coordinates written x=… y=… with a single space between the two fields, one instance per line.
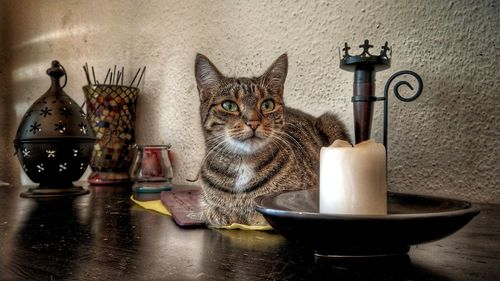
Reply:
x=151 y=168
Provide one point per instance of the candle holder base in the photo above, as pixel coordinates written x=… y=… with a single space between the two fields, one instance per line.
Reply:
x=54 y=192
x=410 y=220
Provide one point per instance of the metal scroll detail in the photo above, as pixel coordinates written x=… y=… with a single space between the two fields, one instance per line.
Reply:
x=364 y=66
x=398 y=95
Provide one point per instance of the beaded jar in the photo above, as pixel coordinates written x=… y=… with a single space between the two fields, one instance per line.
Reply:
x=111 y=113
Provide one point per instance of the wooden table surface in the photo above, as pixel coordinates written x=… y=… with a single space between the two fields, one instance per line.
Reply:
x=104 y=236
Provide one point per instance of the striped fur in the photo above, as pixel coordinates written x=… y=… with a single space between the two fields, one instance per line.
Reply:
x=253 y=151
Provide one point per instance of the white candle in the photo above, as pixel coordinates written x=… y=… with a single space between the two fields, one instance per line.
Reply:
x=353 y=179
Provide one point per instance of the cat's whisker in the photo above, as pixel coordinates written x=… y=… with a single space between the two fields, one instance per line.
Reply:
x=276 y=141
x=278 y=137
x=222 y=145
x=299 y=150
x=299 y=128
x=304 y=132
x=209 y=142
x=277 y=145
x=219 y=148
x=213 y=143
x=290 y=149
x=221 y=153
x=292 y=139
x=215 y=138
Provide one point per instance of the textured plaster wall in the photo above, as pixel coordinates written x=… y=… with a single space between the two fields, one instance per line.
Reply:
x=445 y=143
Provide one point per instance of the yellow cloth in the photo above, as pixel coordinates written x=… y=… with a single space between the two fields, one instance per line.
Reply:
x=157 y=206
x=246 y=227
x=154 y=205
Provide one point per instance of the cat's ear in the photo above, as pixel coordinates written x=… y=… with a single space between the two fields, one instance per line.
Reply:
x=207 y=76
x=275 y=75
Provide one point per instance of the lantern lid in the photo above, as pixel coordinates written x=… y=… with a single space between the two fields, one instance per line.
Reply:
x=54 y=114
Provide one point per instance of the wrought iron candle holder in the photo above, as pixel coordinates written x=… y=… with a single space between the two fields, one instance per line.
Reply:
x=410 y=219
x=364 y=66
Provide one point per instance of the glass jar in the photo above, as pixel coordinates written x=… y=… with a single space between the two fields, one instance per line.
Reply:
x=151 y=168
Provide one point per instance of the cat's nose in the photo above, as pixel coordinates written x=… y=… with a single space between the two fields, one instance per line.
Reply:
x=253 y=124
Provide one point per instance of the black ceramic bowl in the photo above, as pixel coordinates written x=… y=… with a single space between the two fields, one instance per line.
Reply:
x=411 y=219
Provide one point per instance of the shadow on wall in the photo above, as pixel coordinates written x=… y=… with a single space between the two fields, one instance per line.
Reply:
x=8 y=171
x=28 y=43
x=15 y=80
x=24 y=60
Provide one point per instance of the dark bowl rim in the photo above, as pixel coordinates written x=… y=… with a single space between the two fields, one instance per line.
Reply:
x=470 y=209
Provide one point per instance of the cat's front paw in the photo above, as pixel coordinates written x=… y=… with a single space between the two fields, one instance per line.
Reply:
x=214 y=217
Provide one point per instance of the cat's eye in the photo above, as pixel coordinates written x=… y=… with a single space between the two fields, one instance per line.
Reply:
x=230 y=106
x=267 y=105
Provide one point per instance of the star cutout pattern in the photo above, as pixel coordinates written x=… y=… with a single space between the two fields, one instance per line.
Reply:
x=35 y=128
x=50 y=153
x=65 y=112
x=60 y=126
x=83 y=128
x=63 y=167
x=26 y=153
x=40 y=168
x=45 y=112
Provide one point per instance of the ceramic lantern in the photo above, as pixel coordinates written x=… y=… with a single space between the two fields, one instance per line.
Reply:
x=54 y=141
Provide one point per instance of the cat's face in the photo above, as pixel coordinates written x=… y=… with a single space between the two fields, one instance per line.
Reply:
x=241 y=114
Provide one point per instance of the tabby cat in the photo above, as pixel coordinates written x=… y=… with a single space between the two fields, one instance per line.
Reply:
x=254 y=144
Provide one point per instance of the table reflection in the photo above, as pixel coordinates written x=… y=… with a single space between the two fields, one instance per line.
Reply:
x=54 y=233
x=104 y=236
